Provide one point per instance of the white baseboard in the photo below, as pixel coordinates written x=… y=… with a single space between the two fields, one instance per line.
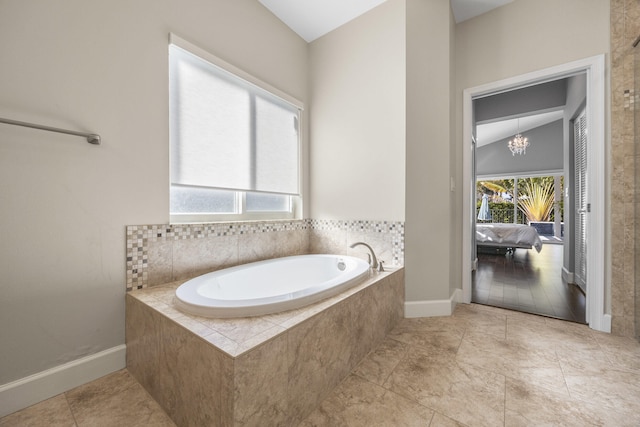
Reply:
x=567 y=275
x=433 y=308
x=606 y=323
x=35 y=388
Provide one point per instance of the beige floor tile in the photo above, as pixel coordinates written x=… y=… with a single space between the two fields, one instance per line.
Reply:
x=444 y=333
x=111 y=384
x=475 y=319
x=480 y=308
x=358 y=402
x=54 y=412
x=378 y=365
x=514 y=315
x=612 y=388
x=440 y=420
x=593 y=379
x=463 y=392
x=592 y=362
x=557 y=335
x=623 y=352
x=117 y=399
x=527 y=405
x=513 y=359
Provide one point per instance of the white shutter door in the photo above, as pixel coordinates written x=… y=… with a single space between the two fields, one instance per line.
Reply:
x=580 y=151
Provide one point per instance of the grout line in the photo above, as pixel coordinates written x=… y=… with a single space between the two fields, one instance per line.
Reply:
x=564 y=376
x=73 y=415
x=504 y=403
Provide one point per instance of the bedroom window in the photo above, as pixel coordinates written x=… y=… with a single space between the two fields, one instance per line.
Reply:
x=234 y=142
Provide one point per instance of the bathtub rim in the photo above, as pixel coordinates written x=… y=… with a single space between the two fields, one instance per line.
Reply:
x=274 y=305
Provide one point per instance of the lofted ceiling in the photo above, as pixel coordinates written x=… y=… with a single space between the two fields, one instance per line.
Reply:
x=467 y=9
x=488 y=133
x=311 y=19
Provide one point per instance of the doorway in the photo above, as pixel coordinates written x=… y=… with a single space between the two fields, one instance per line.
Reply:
x=520 y=242
x=529 y=282
x=595 y=82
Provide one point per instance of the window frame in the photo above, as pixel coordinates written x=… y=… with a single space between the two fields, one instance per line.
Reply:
x=294 y=212
x=241 y=214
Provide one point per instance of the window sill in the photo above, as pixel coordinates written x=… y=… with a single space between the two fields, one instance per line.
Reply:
x=178 y=219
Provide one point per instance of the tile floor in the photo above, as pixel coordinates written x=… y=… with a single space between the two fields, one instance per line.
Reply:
x=114 y=400
x=528 y=281
x=483 y=366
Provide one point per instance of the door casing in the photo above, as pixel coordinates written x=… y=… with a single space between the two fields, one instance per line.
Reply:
x=594 y=67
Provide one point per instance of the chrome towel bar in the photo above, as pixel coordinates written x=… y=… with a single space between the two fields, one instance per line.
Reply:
x=92 y=138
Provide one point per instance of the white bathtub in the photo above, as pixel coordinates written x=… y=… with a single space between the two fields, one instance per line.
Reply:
x=270 y=286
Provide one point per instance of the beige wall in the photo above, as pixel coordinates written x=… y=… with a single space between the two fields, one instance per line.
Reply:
x=455 y=215
x=99 y=66
x=428 y=220
x=358 y=118
x=490 y=48
x=380 y=130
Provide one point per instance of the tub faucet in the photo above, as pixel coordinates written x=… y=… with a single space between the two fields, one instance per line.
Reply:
x=373 y=262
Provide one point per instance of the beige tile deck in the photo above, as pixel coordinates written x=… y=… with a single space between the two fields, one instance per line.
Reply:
x=482 y=366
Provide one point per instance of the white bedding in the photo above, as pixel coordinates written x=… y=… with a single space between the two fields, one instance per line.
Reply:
x=508 y=235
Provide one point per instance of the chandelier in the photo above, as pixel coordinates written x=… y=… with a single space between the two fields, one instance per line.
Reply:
x=519 y=144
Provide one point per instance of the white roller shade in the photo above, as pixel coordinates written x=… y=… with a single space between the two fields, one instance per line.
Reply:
x=227 y=133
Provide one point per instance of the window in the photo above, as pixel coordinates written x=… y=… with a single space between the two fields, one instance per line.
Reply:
x=234 y=145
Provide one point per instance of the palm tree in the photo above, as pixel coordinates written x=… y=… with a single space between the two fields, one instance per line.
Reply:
x=537 y=199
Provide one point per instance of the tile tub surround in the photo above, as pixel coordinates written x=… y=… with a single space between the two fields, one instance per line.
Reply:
x=268 y=370
x=158 y=254
x=334 y=237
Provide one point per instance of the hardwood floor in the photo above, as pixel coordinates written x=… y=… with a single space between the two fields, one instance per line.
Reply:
x=528 y=281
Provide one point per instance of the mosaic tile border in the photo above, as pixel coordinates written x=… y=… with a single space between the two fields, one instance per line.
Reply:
x=199 y=231
x=139 y=236
x=356 y=225
x=395 y=229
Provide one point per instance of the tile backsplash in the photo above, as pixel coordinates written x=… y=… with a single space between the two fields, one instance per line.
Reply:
x=158 y=254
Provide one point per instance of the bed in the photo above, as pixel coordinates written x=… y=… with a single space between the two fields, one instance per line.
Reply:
x=508 y=236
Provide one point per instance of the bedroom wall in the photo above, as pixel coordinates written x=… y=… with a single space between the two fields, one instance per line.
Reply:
x=100 y=67
x=545 y=153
